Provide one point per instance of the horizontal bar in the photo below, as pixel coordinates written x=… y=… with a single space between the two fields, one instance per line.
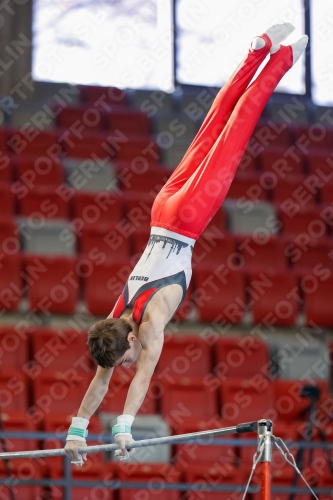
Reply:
x=107 y=437
x=181 y=438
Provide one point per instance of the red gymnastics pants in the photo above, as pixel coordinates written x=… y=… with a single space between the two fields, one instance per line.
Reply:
x=199 y=185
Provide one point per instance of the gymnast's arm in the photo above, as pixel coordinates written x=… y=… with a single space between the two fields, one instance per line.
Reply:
x=151 y=337
x=91 y=401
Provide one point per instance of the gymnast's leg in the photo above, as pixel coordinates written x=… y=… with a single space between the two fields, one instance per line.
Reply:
x=189 y=209
x=227 y=98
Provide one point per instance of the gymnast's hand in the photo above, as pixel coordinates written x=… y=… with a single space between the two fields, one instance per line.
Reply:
x=72 y=451
x=121 y=440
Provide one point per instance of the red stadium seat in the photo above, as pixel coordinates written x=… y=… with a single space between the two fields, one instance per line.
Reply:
x=14 y=391
x=220 y=475
x=95 y=145
x=289 y=404
x=44 y=203
x=274 y=297
x=53 y=284
x=140 y=239
x=6 y=166
x=273 y=160
x=186 y=355
x=317 y=252
x=327 y=192
x=103 y=239
x=60 y=392
x=245 y=400
x=271 y=136
x=307 y=220
x=240 y=357
x=187 y=397
x=246 y=186
x=23 y=469
x=148 y=473
x=150 y=180
x=14 y=345
x=320 y=163
x=115 y=398
x=3 y=140
x=295 y=189
x=217 y=223
x=59 y=349
x=219 y=293
x=108 y=95
x=14 y=421
x=82 y=117
x=138 y=211
x=137 y=147
x=34 y=142
x=269 y=253
x=210 y=249
x=7 y=208
x=88 y=472
x=248 y=163
x=188 y=455
x=10 y=282
x=36 y=171
x=9 y=239
x=105 y=284
x=129 y=122
x=318 y=303
x=97 y=208
x=313 y=138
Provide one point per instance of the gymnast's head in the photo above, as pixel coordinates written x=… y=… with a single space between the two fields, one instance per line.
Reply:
x=112 y=342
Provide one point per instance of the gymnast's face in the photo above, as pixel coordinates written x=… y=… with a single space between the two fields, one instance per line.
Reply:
x=132 y=354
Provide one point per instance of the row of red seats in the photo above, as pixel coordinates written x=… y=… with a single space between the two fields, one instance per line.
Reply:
x=275 y=159
x=302 y=190
x=36 y=348
x=292 y=194
x=306 y=250
x=216 y=293
x=175 y=397
x=39 y=170
x=77 y=143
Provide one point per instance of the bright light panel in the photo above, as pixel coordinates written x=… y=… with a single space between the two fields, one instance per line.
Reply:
x=214 y=35
x=322 y=52
x=126 y=44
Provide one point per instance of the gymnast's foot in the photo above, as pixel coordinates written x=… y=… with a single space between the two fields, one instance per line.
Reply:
x=299 y=47
x=276 y=33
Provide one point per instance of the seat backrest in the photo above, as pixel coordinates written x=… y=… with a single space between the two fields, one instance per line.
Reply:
x=49 y=238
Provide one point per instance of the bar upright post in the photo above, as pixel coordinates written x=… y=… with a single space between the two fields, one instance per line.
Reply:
x=265 y=429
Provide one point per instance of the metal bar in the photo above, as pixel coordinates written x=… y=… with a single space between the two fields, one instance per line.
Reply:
x=106 y=437
x=136 y=444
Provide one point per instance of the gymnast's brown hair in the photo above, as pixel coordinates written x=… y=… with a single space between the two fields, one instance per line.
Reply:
x=107 y=341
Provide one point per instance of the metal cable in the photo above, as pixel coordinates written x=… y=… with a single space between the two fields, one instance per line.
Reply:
x=256 y=458
x=291 y=460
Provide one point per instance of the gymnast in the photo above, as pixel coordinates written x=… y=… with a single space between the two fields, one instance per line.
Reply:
x=134 y=330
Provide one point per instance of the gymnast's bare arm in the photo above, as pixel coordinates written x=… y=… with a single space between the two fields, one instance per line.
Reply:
x=91 y=401
x=151 y=336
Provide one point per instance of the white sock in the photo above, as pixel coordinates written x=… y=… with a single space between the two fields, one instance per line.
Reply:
x=276 y=34
x=299 y=47
x=279 y=32
x=258 y=43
